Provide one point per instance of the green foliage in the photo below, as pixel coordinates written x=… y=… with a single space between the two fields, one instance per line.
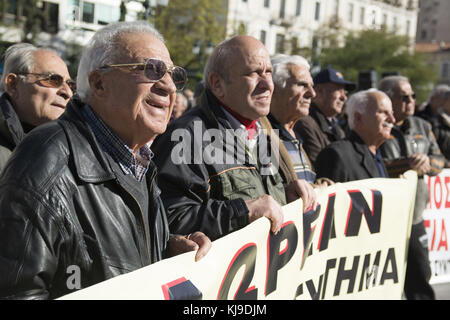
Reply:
x=186 y=22
x=382 y=51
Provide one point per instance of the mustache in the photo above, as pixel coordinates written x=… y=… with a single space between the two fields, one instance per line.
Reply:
x=388 y=124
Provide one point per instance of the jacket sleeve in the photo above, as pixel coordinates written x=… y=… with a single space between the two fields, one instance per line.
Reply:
x=437 y=159
x=311 y=141
x=28 y=259
x=186 y=197
x=330 y=165
x=442 y=135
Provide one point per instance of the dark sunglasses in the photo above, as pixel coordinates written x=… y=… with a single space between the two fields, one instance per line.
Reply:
x=155 y=69
x=406 y=97
x=53 y=80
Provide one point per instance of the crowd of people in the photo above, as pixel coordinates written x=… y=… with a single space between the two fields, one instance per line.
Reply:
x=125 y=168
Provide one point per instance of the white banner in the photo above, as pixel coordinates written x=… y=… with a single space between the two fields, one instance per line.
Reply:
x=356 y=249
x=437 y=224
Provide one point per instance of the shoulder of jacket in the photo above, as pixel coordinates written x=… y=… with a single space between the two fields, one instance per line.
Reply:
x=39 y=157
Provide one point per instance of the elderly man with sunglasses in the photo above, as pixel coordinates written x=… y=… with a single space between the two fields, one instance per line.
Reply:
x=36 y=87
x=412 y=146
x=79 y=202
x=217 y=171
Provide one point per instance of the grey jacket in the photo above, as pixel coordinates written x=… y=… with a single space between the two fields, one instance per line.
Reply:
x=414 y=136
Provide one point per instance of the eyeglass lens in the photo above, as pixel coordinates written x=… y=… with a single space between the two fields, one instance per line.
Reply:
x=156 y=69
x=405 y=98
x=56 y=81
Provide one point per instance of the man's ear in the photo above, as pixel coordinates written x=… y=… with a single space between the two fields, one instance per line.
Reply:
x=11 y=81
x=96 y=83
x=217 y=84
x=357 y=118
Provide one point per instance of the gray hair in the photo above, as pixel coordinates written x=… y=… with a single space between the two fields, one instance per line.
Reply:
x=439 y=90
x=102 y=49
x=218 y=62
x=19 y=58
x=183 y=99
x=388 y=84
x=359 y=102
x=280 y=63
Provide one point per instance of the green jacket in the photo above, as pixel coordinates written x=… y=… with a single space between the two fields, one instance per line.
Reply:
x=205 y=181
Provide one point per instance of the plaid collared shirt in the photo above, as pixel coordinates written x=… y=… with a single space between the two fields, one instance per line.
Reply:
x=116 y=148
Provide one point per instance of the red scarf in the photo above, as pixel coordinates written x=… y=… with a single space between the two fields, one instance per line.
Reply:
x=250 y=125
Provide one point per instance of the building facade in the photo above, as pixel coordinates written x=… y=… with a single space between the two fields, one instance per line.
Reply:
x=433 y=23
x=66 y=20
x=277 y=22
x=280 y=24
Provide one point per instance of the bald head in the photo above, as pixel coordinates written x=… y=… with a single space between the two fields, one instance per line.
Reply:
x=230 y=51
x=239 y=74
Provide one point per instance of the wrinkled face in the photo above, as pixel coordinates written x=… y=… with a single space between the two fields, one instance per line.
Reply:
x=330 y=98
x=249 y=89
x=403 y=102
x=295 y=97
x=377 y=122
x=136 y=108
x=35 y=101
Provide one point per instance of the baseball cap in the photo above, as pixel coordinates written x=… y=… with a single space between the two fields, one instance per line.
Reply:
x=334 y=76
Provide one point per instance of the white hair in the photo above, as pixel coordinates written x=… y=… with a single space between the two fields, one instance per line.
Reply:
x=359 y=102
x=19 y=58
x=280 y=64
x=439 y=90
x=388 y=84
x=103 y=48
x=183 y=99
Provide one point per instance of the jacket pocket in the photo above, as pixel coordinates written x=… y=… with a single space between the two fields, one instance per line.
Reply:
x=234 y=183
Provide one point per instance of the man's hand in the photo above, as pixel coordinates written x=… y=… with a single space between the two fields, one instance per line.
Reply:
x=194 y=241
x=420 y=163
x=266 y=206
x=301 y=188
x=324 y=182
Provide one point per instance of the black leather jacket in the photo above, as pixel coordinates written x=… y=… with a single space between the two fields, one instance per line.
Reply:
x=63 y=210
x=205 y=194
x=11 y=130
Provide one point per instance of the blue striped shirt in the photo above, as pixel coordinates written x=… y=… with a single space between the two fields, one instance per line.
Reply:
x=116 y=148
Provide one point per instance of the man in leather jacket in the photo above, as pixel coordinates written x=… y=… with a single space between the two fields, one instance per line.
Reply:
x=412 y=146
x=215 y=173
x=79 y=196
x=36 y=87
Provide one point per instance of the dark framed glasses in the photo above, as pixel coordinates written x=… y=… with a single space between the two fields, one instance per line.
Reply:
x=406 y=97
x=155 y=69
x=53 y=80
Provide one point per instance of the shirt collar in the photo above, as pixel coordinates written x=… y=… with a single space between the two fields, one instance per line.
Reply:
x=116 y=148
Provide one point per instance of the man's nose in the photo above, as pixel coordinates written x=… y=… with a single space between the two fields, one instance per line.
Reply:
x=310 y=93
x=166 y=84
x=65 y=92
x=343 y=95
x=265 y=81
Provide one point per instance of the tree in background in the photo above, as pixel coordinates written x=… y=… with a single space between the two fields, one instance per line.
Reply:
x=188 y=23
x=381 y=51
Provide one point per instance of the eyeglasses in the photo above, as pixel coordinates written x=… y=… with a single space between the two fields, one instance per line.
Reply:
x=155 y=69
x=53 y=80
x=406 y=97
